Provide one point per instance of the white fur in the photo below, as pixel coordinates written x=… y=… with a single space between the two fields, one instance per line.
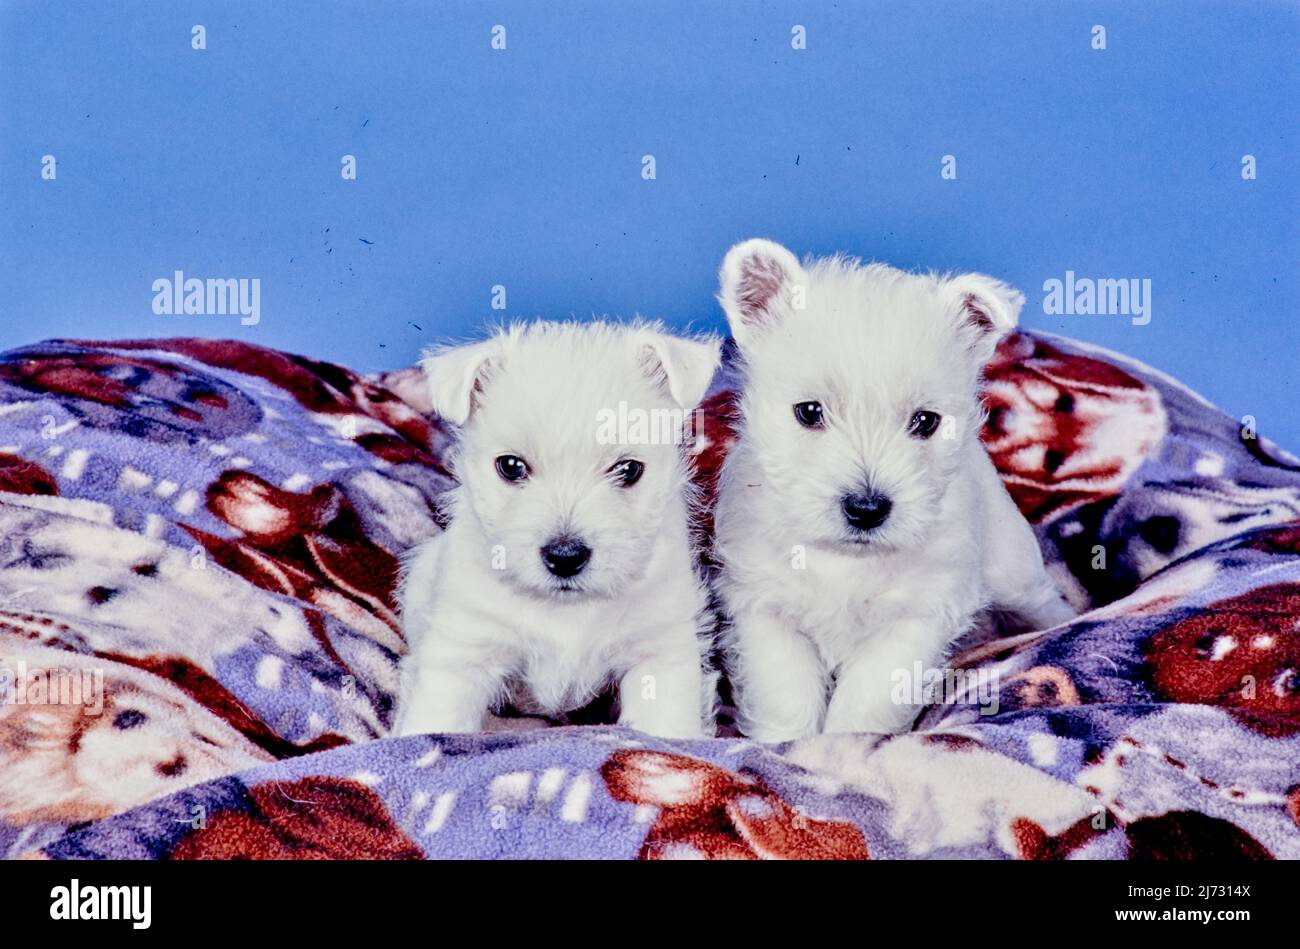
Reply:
x=821 y=616
x=485 y=621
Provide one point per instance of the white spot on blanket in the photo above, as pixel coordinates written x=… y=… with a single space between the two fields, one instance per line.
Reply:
x=368 y=778
x=575 y=802
x=441 y=811
x=430 y=758
x=188 y=502
x=295 y=482
x=549 y=784
x=270 y=672
x=1043 y=748
x=1222 y=646
x=511 y=789
x=133 y=479
x=219 y=450
x=1209 y=466
x=166 y=488
x=265 y=518
x=75 y=465
x=59 y=430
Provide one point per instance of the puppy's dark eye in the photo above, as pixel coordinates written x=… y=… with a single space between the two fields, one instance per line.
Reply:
x=924 y=423
x=810 y=414
x=627 y=472
x=512 y=468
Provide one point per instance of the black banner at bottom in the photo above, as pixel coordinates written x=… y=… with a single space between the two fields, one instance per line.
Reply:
x=336 y=899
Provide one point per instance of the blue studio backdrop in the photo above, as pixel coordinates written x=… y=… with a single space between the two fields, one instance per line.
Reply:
x=380 y=167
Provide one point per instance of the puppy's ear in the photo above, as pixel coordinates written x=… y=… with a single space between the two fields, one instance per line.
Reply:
x=760 y=282
x=985 y=309
x=685 y=366
x=456 y=374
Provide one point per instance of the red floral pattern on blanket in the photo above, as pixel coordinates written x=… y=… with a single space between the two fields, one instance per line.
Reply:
x=314 y=818
x=707 y=811
x=310 y=545
x=214 y=529
x=1065 y=428
x=1242 y=653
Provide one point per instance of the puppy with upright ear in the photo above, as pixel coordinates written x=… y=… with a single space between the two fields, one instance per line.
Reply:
x=761 y=282
x=567 y=565
x=455 y=375
x=861 y=528
x=986 y=310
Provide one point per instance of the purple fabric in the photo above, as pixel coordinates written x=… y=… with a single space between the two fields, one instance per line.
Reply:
x=214 y=529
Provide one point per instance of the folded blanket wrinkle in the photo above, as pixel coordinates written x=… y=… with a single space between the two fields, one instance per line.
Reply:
x=200 y=542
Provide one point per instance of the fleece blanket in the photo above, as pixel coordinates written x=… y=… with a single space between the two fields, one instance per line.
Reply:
x=199 y=545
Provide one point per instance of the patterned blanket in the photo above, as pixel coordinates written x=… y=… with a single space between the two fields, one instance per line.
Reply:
x=199 y=542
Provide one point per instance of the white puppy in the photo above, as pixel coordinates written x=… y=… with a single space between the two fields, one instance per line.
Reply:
x=861 y=526
x=567 y=565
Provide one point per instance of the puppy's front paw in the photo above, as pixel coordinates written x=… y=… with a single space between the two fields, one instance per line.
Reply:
x=423 y=719
x=770 y=734
x=678 y=727
x=664 y=696
x=857 y=716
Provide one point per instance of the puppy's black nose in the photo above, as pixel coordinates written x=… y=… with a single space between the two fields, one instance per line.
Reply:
x=865 y=511
x=565 y=557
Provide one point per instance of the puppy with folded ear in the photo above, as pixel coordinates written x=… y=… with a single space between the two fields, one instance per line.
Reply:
x=861 y=526
x=567 y=565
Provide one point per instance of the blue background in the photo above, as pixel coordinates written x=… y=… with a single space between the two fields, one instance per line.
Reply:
x=523 y=167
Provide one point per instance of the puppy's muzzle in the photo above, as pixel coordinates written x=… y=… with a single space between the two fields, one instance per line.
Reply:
x=865 y=511
x=565 y=557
